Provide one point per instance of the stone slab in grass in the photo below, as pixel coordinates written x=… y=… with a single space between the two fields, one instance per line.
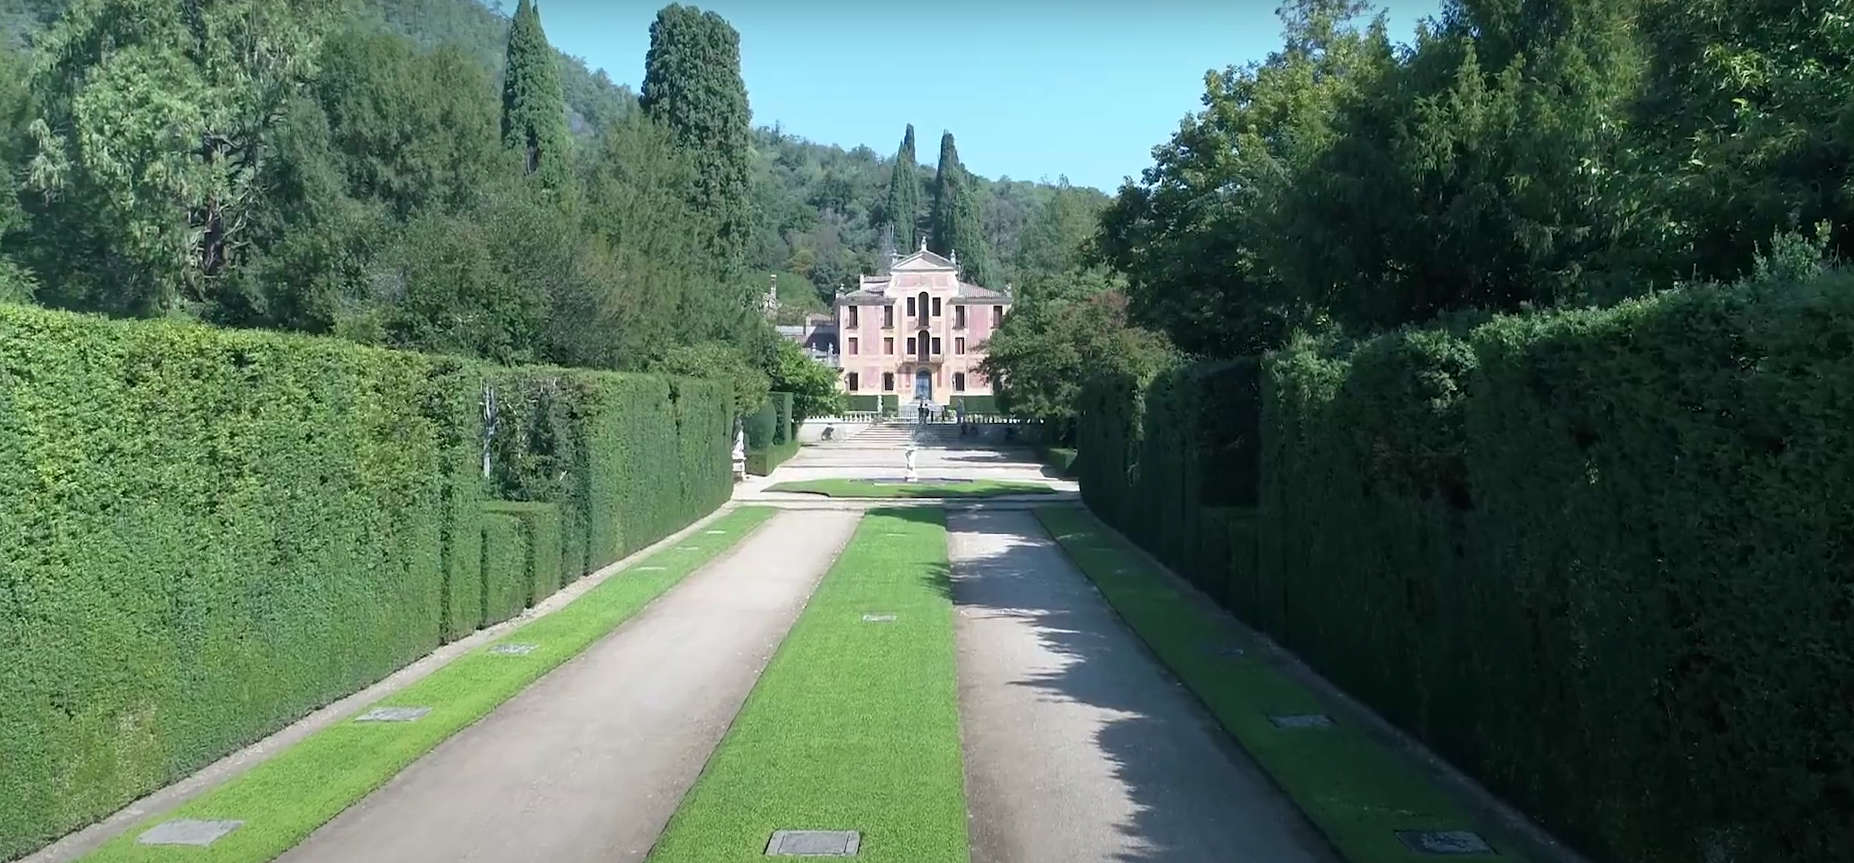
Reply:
x=393 y=714
x=514 y=648
x=1444 y=842
x=1302 y=720
x=187 y=831
x=878 y=618
x=814 y=843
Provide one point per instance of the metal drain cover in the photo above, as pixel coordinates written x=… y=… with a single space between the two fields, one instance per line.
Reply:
x=814 y=843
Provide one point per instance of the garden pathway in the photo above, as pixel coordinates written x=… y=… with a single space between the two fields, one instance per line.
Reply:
x=589 y=763
x=1079 y=746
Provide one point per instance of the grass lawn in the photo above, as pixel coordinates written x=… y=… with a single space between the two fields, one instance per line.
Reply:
x=284 y=799
x=871 y=489
x=854 y=725
x=1358 y=792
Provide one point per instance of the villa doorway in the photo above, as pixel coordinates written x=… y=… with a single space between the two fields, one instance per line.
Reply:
x=923 y=385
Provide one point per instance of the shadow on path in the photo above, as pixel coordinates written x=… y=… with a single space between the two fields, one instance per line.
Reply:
x=1080 y=746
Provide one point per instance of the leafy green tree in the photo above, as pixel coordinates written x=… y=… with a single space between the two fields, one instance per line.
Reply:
x=1063 y=329
x=478 y=283
x=17 y=284
x=812 y=384
x=956 y=225
x=154 y=120
x=412 y=129
x=1201 y=237
x=315 y=244
x=534 y=123
x=692 y=85
x=1502 y=180
x=652 y=280
x=1749 y=112
x=1055 y=237
x=720 y=361
x=904 y=194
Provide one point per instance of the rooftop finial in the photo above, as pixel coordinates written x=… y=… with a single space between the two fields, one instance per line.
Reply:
x=955 y=257
x=923 y=242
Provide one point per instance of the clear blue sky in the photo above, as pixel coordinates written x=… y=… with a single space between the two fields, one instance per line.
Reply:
x=1032 y=89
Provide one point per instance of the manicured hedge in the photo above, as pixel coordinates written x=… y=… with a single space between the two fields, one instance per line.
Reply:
x=210 y=533
x=762 y=426
x=1599 y=559
x=981 y=405
x=784 y=427
x=874 y=404
x=1162 y=458
x=537 y=544
x=507 y=583
x=760 y=462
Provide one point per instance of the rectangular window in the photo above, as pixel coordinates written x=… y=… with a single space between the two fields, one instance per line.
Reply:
x=936 y=307
x=910 y=307
x=997 y=315
x=852 y=345
x=959 y=345
x=888 y=382
x=959 y=382
x=959 y=317
x=853 y=382
x=852 y=316
x=888 y=345
x=888 y=316
x=936 y=344
x=910 y=344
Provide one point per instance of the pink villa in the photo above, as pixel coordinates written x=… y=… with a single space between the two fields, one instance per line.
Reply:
x=917 y=332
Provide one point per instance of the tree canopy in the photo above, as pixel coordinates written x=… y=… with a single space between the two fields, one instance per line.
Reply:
x=534 y=123
x=957 y=229
x=692 y=85
x=1515 y=155
x=904 y=194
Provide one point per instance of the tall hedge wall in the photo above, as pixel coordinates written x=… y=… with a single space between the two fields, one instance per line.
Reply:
x=784 y=426
x=211 y=533
x=1171 y=461
x=1600 y=559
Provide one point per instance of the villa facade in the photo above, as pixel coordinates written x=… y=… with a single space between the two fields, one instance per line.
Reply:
x=917 y=332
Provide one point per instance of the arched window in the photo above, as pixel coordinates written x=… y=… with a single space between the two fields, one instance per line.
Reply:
x=923 y=307
x=921 y=344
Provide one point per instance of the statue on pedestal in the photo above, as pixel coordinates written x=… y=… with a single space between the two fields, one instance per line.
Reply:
x=908 y=456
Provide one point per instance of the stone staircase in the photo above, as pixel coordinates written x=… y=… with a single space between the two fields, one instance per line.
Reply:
x=895 y=435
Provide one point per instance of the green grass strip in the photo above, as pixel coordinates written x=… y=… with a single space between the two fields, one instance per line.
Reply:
x=854 y=725
x=1356 y=790
x=864 y=488
x=287 y=797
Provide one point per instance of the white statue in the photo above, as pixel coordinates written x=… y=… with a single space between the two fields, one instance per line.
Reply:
x=908 y=456
x=740 y=452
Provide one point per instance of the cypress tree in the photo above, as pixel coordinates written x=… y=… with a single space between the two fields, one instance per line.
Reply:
x=533 y=103
x=692 y=85
x=956 y=225
x=904 y=194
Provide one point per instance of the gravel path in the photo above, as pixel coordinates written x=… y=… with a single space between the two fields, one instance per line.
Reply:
x=590 y=762
x=1079 y=746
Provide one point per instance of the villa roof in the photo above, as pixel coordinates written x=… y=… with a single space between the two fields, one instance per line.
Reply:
x=874 y=290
